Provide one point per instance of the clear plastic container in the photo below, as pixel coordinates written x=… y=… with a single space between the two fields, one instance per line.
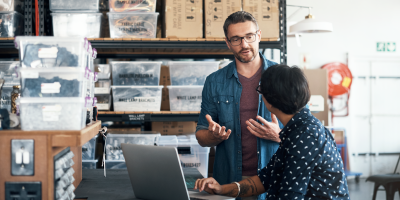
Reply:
x=136 y=73
x=9 y=72
x=47 y=52
x=103 y=71
x=191 y=154
x=5 y=102
x=185 y=98
x=53 y=82
x=74 y=5
x=112 y=164
x=52 y=113
x=90 y=85
x=132 y=5
x=89 y=164
x=137 y=98
x=12 y=5
x=103 y=101
x=191 y=73
x=133 y=25
x=70 y=24
x=102 y=87
x=11 y=24
x=89 y=149
x=114 y=141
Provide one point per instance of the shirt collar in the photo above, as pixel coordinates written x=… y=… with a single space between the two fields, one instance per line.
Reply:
x=233 y=71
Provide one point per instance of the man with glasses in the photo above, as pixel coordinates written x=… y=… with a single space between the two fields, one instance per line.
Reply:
x=233 y=116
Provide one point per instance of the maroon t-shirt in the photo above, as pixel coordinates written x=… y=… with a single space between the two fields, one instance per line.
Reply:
x=248 y=110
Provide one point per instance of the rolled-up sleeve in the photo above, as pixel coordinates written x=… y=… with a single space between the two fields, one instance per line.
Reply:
x=207 y=106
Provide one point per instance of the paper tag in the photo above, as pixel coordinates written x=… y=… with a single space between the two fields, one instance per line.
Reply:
x=31 y=75
x=48 y=52
x=51 y=87
x=101 y=90
x=51 y=113
x=36 y=63
x=316 y=103
x=103 y=106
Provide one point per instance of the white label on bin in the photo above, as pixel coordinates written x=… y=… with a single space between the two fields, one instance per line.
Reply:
x=48 y=52
x=36 y=63
x=188 y=98
x=101 y=90
x=139 y=99
x=51 y=113
x=102 y=106
x=34 y=75
x=51 y=87
x=137 y=104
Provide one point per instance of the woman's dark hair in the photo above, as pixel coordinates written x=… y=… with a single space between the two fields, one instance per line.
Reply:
x=285 y=88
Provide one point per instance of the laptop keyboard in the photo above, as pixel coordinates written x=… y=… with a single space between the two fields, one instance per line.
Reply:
x=190 y=181
x=194 y=198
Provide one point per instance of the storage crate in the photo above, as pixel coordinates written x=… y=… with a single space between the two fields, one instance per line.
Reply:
x=52 y=113
x=136 y=73
x=12 y=5
x=114 y=141
x=11 y=24
x=185 y=98
x=133 y=25
x=104 y=71
x=47 y=52
x=5 y=102
x=53 y=82
x=89 y=149
x=132 y=5
x=136 y=98
x=9 y=72
x=191 y=154
x=191 y=73
x=103 y=101
x=89 y=164
x=70 y=24
x=74 y=5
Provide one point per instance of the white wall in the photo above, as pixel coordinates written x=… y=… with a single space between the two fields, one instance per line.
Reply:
x=358 y=25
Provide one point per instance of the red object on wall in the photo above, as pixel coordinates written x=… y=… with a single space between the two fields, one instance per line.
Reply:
x=339 y=78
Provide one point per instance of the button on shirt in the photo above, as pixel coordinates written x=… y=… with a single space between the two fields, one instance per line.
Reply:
x=307 y=164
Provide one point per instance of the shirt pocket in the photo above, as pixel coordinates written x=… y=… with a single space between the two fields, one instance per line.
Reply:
x=225 y=106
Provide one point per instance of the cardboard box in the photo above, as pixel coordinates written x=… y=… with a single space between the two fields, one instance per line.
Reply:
x=266 y=13
x=183 y=19
x=216 y=12
x=339 y=136
x=165 y=99
x=318 y=83
x=135 y=130
x=164 y=75
x=174 y=128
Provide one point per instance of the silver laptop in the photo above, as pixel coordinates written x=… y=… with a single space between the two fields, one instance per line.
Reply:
x=155 y=173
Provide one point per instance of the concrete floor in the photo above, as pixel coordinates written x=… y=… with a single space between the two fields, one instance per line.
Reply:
x=364 y=190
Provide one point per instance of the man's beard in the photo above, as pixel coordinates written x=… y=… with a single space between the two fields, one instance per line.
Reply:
x=243 y=60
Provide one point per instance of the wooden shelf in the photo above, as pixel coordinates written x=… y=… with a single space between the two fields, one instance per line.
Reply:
x=161 y=116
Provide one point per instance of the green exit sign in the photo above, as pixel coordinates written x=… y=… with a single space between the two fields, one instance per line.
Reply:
x=386 y=46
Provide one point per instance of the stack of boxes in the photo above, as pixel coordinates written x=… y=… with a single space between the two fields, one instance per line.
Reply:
x=75 y=18
x=11 y=19
x=135 y=86
x=103 y=87
x=132 y=18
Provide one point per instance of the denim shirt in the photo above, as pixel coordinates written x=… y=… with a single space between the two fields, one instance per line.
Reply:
x=221 y=100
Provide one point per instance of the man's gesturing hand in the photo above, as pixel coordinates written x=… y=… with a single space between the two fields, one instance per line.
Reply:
x=210 y=185
x=268 y=131
x=216 y=130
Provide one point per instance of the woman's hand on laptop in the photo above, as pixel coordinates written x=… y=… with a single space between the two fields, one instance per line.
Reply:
x=210 y=185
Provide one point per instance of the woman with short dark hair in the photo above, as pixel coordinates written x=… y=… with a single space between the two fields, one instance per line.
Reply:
x=307 y=164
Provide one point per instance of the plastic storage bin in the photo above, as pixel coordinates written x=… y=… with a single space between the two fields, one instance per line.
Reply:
x=191 y=154
x=74 y=5
x=5 y=102
x=103 y=101
x=185 y=98
x=112 y=164
x=102 y=87
x=137 y=98
x=114 y=141
x=89 y=164
x=133 y=25
x=76 y=24
x=191 y=73
x=104 y=71
x=8 y=72
x=52 y=113
x=136 y=73
x=53 y=82
x=12 y=5
x=11 y=24
x=47 y=52
x=89 y=149
x=132 y=5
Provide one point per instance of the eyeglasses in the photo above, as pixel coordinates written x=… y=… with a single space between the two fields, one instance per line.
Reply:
x=258 y=89
x=249 y=38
